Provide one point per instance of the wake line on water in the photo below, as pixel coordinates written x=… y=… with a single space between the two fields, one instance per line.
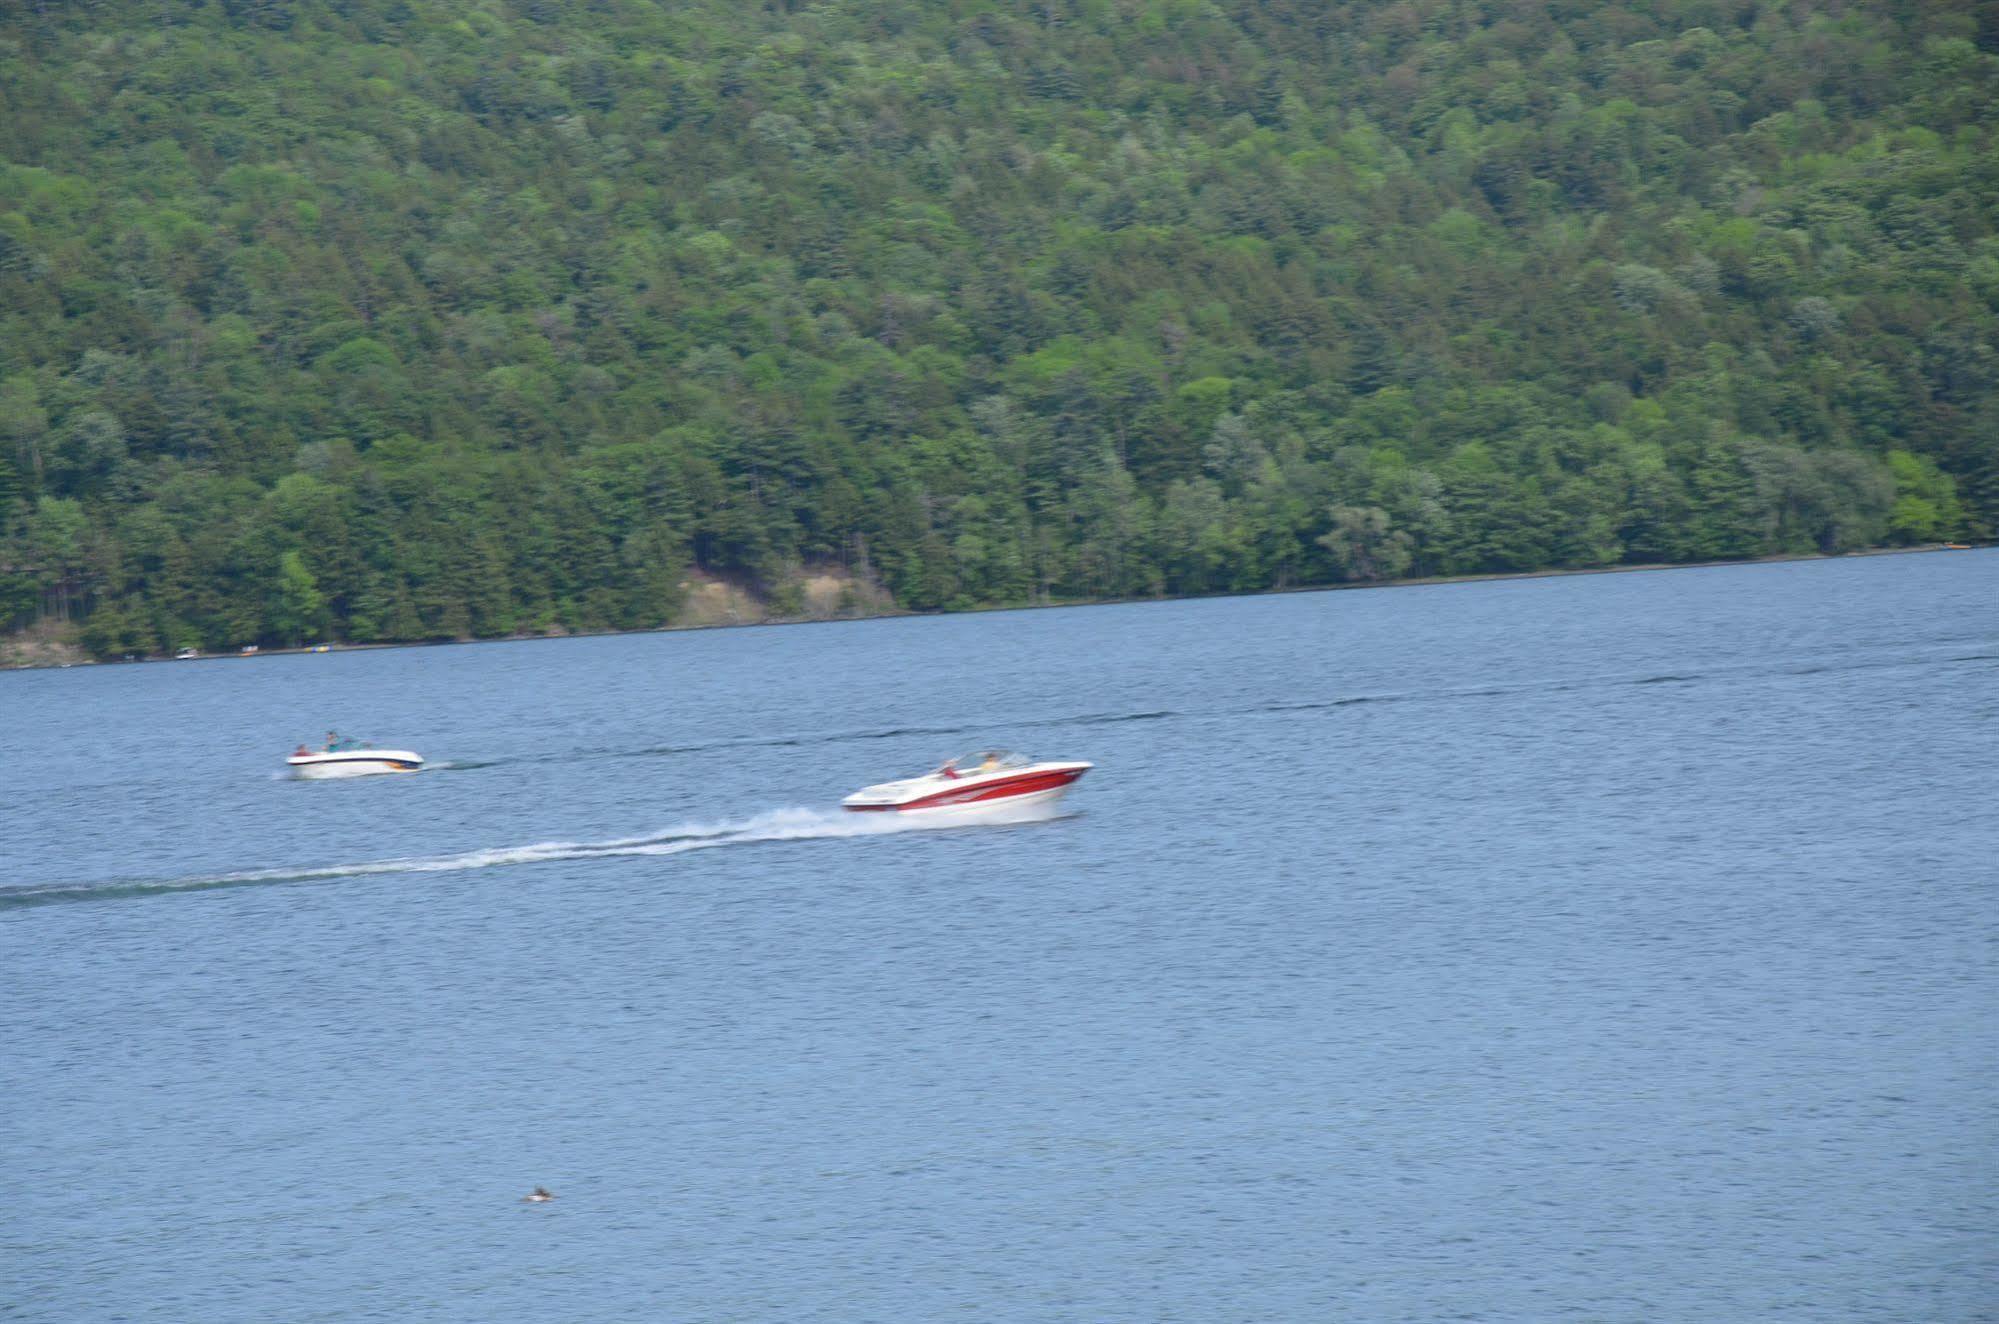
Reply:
x=776 y=825
x=892 y=733
x=793 y=742
x=1163 y=714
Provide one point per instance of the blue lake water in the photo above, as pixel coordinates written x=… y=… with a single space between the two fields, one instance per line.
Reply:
x=1600 y=948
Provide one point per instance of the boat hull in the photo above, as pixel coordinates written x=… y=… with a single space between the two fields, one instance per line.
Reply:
x=1028 y=793
x=359 y=763
x=1006 y=809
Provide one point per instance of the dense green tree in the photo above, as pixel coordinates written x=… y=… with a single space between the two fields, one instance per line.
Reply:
x=1365 y=544
x=397 y=320
x=297 y=607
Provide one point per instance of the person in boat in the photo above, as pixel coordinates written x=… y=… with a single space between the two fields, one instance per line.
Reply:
x=949 y=772
x=332 y=742
x=301 y=751
x=539 y=1195
x=991 y=764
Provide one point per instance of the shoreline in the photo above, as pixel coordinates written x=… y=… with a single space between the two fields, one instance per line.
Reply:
x=1429 y=581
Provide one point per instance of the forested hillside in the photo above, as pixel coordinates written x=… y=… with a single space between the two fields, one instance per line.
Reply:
x=399 y=319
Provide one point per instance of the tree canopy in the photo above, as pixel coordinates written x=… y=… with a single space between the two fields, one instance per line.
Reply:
x=406 y=319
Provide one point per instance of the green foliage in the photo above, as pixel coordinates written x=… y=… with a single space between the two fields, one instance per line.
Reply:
x=396 y=319
x=297 y=605
x=1365 y=543
x=1926 y=505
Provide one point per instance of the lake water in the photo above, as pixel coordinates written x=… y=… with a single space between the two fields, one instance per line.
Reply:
x=1600 y=948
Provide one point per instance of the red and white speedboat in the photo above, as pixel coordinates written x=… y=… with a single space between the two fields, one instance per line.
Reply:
x=990 y=785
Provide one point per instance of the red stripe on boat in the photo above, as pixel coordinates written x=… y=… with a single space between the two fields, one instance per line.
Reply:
x=1024 y=784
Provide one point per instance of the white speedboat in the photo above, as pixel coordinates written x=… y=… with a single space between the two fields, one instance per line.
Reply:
x=993 y=784
x=324 y=763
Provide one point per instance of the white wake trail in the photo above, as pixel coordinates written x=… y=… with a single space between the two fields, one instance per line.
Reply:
x=774 y=825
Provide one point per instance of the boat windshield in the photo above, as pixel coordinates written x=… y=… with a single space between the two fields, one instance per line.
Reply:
x=986 y=760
